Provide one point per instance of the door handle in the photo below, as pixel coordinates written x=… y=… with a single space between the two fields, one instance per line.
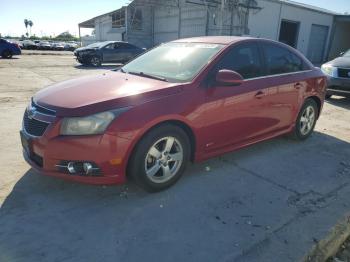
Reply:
x=259 y=94
x=298 y=86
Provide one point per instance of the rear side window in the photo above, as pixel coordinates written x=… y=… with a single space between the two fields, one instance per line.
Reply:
x=244 y=59
x=280 y=60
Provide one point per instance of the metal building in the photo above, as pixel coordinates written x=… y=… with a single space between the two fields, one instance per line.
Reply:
x=316 y=32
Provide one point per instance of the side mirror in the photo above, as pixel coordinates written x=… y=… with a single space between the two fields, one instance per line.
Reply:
x=229 y=77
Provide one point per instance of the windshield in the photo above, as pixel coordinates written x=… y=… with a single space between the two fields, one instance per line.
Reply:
x=347 y=53
x=175 y=62
x=96 y=45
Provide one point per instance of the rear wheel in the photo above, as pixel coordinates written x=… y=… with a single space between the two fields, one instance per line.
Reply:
x=96 y=61
x=160 y=158
x=306 y=120
x=6 y=54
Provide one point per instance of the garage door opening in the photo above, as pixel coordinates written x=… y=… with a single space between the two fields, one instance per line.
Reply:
x=317 y=43
x=340 y=37
x=289 y=32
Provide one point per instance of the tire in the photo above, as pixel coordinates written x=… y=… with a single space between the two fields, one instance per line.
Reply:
x=155 y=167
x=328 y=96
x=306 y=121
x=6 y=54
x=95 y=61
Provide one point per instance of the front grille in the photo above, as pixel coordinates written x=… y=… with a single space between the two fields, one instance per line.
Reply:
x=43 y=110
x=34 y=127
x=344 y=72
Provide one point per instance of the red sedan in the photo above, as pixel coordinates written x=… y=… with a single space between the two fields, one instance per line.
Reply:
x=187 y=100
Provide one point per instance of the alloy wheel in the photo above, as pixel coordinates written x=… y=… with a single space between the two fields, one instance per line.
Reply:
x=95 y=61
x=164 y=159
x=307 y=120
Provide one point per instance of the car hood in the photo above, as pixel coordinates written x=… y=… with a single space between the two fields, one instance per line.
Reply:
x=92 y=94
x=343 y=61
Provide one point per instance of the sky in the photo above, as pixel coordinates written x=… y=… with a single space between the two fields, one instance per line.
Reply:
x=51 y=18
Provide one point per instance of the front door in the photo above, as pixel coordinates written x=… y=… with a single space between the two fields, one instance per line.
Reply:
x=238 y=114
x=123 y=52
x=109 y=54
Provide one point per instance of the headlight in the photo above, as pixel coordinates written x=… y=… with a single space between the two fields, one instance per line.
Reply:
x=89 y=125
x=329 y=70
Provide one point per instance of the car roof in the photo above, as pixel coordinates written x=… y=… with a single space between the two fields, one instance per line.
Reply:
x=224 y=40
x=109 y=42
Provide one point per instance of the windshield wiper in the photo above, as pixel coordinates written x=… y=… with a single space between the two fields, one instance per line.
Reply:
x=148 y=75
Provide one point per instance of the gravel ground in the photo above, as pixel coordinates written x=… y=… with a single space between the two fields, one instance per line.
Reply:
x=270 y=202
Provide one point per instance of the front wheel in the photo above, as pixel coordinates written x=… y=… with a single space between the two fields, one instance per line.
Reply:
x=160 y=158
x=306 y=120
x=96 y=61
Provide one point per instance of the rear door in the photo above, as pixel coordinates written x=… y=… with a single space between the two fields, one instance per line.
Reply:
x=124 y=52
x=286 y=74
x=317 y=42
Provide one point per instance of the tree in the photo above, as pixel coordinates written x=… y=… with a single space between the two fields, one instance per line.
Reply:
x=26 y=23
x=66 y=36
x=30 y=23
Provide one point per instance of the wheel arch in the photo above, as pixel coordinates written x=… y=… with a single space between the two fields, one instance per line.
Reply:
x=318 y=102
x=176 y=122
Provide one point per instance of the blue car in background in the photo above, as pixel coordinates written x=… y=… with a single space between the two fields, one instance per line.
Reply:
x=7 y=49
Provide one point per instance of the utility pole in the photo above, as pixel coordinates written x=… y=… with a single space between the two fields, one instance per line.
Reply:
x=222 y=15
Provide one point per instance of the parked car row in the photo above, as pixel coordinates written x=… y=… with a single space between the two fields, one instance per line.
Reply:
x=108 y=51
x=46 y=45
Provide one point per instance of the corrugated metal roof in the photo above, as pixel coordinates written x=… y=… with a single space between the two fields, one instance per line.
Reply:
x=90 y=22
x=213 y=39
x=306 y=6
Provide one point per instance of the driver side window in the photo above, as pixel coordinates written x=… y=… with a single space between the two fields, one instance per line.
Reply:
x=244 y=59
x=110 y=46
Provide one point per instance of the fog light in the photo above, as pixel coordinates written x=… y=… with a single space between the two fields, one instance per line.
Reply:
x=78 y=168
x=87 y=168
x=71 y=168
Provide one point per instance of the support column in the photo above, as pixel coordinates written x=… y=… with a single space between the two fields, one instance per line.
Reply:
x=81 y=43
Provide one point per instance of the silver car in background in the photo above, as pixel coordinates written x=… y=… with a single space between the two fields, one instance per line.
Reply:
x=338 y=75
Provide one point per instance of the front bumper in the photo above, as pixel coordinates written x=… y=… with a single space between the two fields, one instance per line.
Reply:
x=45 y=153
x=83 y=58
x=338 y=86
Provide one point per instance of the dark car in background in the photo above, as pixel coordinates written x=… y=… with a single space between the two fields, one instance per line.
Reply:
x=338 y=75
x=7 y=49
x=58 y=46
x=109 y=51
x=44 y=45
